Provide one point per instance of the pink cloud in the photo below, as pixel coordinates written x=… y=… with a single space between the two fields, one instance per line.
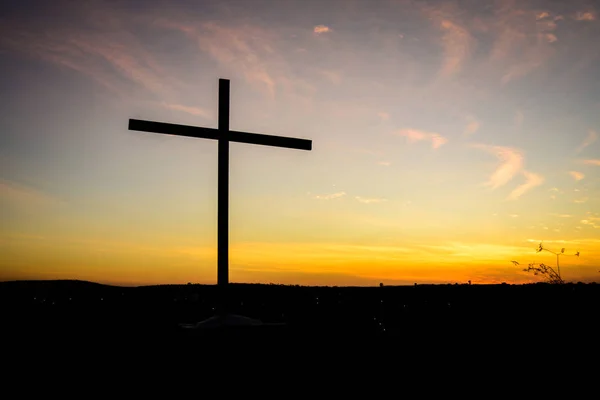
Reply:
x=244 y=47
x=473 y=125
x=112 y=58
x=383 y=115
x=456 y=40
x=585 y=16
x=52 y=49
x=577 y=175
x=414 y=135
x=542 y=15
x=522 y=42
x=589 y=139
x=120 y=56
x=190 y=110
x=23 y=196
x=531 y=180
x=457 y=44
x=250 y=51
x=511 y=163
x=321 y=29
x=550 y=37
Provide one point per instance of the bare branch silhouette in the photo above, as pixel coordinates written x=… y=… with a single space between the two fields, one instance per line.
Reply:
x=545 y=270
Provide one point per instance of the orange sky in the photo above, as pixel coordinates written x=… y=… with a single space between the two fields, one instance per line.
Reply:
x=446 y=141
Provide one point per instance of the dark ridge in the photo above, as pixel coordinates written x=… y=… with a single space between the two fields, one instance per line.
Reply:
x=379 y=309
x=51 y=282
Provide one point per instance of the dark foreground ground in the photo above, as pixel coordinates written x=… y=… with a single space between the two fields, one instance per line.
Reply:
x=70 y=333
x=39 y=311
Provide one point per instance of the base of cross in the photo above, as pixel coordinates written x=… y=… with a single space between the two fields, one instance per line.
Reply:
x=227 y=321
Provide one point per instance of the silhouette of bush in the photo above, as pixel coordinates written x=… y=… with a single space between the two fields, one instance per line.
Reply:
x=545 y=270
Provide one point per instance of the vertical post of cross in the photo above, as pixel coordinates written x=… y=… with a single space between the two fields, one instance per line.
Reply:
x=223 y=196
x=223 y=135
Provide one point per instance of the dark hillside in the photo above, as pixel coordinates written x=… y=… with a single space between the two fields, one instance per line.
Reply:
x=85 y=308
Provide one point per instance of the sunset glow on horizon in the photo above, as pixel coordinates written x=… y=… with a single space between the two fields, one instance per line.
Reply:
x=448 y=139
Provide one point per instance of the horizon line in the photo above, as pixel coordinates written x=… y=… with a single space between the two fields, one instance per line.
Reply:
x=291 y=284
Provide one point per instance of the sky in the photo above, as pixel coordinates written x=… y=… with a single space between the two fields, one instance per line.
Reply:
x=449 y=139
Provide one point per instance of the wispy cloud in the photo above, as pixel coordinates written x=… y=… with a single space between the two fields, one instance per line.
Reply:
x=385 y=163
x=590 y=222
x=523 y=40
x=581 y=201
x=415 y=135
x=577 y=175
x=531 y=180
x=473 y=125
x=383 y=115
x=542 y=15
x=370 y=200
x=243 y=46
x=113 y=58
x=550 y=37
x=457 y=44
x=584 y=16
x=592 y=162
x=190 y=110
x=319 y=29
x=334 y=77
x=248 y=50
x=51 y=48
x=591 y=137
x=456 y=40
x=135 y=68
x=23 y=195
x=511 y=163
x=331 y=196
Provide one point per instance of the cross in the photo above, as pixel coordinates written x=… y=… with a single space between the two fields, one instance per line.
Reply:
x=223 y=135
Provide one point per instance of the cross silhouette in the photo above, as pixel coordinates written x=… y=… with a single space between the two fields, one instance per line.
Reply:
x=224 y=136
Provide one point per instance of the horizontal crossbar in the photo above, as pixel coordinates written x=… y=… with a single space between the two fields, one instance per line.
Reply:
x=210 y=133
